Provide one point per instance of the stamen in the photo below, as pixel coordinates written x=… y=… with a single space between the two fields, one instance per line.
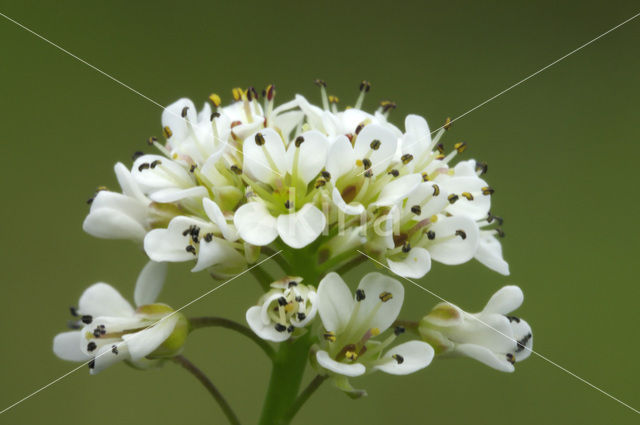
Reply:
x=191 y=249
x=460 y=147
x=236 y=169
x=167 y=132
x=447 y=124
x=487 y=191
x=416 y=209
x=73 y=311
x=280 y=328
x=462 y=234
x=326 y=175
x=301 y=316
x=385 y=296
x=215 y=99
x=366 y=163
x=292 y=283
x=360 y=295
x=183 y=114
x=436 y=190
x=398 y=358
x=86 y=319
x=513 y=319
x=406 y=247
x=91 y=346
x=453 y=198
x=151 y=140
x=522 y=344
x=143 y=166
x=406 y=158
x=482 y=167
x=351 y=355
x=359 y=129
x=431 y=235
x=329 y=336
x=467 y=195
x=237 y=93
x=92 y=364
x=136 y=155
x=320 y=183
x=398 y=330
x=394 y=173
x=259 y=139
x=282 y=301
x=299 y=140
x=208 y=237
x=323 y=92
x=511 y=358
x=365 y=86
x=368 y=173
x=114 y=349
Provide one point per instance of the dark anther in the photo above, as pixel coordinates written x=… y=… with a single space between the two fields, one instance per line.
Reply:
x=208 y=237
x=301 y=316
x=288 y=204
x=440 y=147
x=73 y=311
x=406 y=158
x=320 y=83
x=191 y=249
x=326 y=175
x=155 y=163
x=365 y=86
x=375 y=145
x=188 y=231
x=280 y=328
x=431 y=235
x=482 y=167
x=366 y=163
x=193 y=168
x=436 y=190
x=511 y=358
x=398 y=358
x=86 y=319
x=453 y=198
x=299 y=140
x=385 y=296
x=360 y=295
x=151 y=140
x=183 y=114
x=298 y=299
x=114 y=349
x=91 y=346
x=282 y=301
x=214 y=115
x=492 y=217
x=136 y=155
x=398 y=330
x=271 y=92
x=522 y=344
x=259 y=139
x=92 y=364
x=500 y=232
x=406 y=247
x=487 y=191
x=388 y=105
x=462 y=234
x=236 y=169
x=143 y=166
x=416 y=209
x=292 y=283
x=368 y=173
x=319 y=183
x=394 y=172
x=513 y=319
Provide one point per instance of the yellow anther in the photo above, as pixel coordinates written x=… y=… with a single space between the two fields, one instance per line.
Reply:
x=238 y=94
x=359 y=162
x=167 y=132
x=385 y=296
x=330 y=336
x=351 y=355
x=440 y=157
x=289 y=307
x=433 y=219
x=436 y=190
x=487 y=191
x=215 y=99
x=467 y=195
x=447 y=124
x=425 y=177
x=333 y=99
x=375 y=331
x=460 y=147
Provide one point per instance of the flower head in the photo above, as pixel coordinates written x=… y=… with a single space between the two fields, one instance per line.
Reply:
x=111 y=330
x=492 y=336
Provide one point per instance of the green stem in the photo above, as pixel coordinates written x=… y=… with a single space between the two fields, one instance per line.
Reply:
x=288 y=367
x=304 y=396
x=206 y=322
x=279 y=259
x=204 y=380
x=351 y=264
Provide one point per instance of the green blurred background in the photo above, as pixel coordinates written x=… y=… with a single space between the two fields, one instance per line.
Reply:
x=562 y=152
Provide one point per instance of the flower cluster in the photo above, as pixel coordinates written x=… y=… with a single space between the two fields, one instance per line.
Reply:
x=322 y=189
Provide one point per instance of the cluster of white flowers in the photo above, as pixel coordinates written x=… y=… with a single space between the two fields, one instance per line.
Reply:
x=318 y=185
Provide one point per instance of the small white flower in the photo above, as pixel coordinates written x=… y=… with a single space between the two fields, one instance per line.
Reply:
x=287 y=306
x=112 y=330
x=350 y=347
x=492 y=336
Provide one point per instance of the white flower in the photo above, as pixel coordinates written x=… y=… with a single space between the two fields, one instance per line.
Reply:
x=210 y=242
x=125 y=215
x=285 y=206
x=112 y=330
x=288 y=305
x=492 y=336
x=351 y=325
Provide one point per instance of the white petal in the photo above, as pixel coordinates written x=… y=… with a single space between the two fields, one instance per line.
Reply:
x=506 y=300
x=380 y=158
x=312 y=155
x=127 y=183
x=398 y=189
x=465 y=168
x=215 y=214
x=109 y=223
x=415 y=355
x=354 y=208
x=353 y=369
x=341 y=158
x=101 y=299
x=418 y=135
x=255 y=224
x=490 y=253
x=302 y=227
x=384 y=313
x=486 y=356
x=256 y=163
x=416 y=264
x=173 y=194
x=217 y=252
x=335 y=303
x=172 y=118
x=478 y=207
x=287 y=121
x=265 y=331
x=67 y=346
x=150 y=282
x=143 y=343
x=434 y=204
x=454 y=249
